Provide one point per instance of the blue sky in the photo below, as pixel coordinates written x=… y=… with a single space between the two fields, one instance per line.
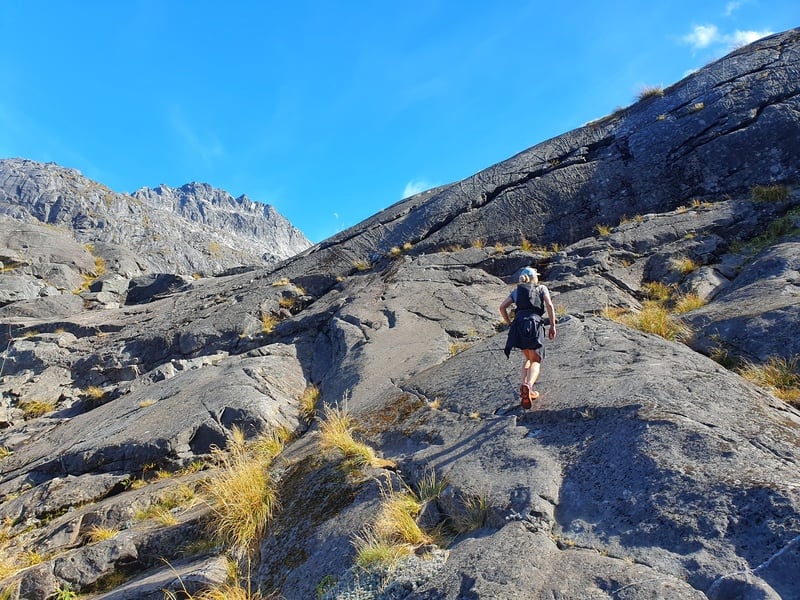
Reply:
x=333 y=110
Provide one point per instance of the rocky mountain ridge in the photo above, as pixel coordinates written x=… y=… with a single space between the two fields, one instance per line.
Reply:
x=186 y=230
x=649 y=468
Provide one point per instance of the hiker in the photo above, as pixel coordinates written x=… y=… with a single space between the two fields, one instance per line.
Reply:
x=527 y=331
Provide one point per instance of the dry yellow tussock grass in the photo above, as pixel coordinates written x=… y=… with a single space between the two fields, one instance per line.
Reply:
x=373 y=552
x=242 y=493
x=652 y=318
x=336 y=433
x=94 y=392
x=602 y=230
x=688 y=302
x=243 y=498
x=268 y=322
x=98 y=534
x=308 y=402
x=685 y=265
x=32 y=409
x=473 y=516
x=397 y=520
x=769 y=193
x=779 y=374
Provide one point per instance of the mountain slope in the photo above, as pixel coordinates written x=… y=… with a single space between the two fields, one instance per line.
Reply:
x=646 y=469
x=192 y=229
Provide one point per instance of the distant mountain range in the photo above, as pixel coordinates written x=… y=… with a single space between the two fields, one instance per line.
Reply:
x=193 y=229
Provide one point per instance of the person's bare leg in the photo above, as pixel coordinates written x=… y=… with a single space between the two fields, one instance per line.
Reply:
x=532 y=369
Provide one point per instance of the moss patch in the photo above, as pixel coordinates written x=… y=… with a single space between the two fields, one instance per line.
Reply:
x=312 y=491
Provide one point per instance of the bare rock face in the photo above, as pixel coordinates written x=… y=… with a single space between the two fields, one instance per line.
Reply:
x=645 y=470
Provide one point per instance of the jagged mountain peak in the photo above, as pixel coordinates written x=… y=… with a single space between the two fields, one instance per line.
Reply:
x=192 y=229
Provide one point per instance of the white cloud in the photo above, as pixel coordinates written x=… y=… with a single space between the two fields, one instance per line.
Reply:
x=742 y=38
x=415 y=186
x=702 y=36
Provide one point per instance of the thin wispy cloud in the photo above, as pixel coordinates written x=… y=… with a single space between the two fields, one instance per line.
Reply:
x=732 y=7
x=415 y=186
x=207 y=148
x=705 y=36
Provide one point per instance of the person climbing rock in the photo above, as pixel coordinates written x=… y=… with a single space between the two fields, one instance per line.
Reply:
x=526 y=332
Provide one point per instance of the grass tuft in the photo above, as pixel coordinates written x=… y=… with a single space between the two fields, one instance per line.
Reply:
x=769 y=193
x=657 y=291
x=394 y=534
x=32 y=409
x=99 y=534
x=374 y=553
x=94 y=392
x=473 y=516
x=685 y=265
x=430 y=486
x=777 y=229
x=459 y=347
x=268 y=322
x=653 y=318
x=779 y=374
x=163 y=511
x=336 y=433
x=688 y=302
x=397 y=520
x=243 y=497
x=651 y=91
x=235 y=588
x=308 y=402
x=602 y=230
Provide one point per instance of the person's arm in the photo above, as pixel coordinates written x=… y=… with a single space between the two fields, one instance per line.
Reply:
x=548 y=304
x=504 y=310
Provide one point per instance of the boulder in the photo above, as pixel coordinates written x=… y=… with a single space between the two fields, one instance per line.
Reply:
x=753 y=317
x=148 y=287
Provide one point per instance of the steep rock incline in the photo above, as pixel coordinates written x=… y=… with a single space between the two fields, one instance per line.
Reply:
x=192 y=229
x=645 y=470
x=718 y=132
